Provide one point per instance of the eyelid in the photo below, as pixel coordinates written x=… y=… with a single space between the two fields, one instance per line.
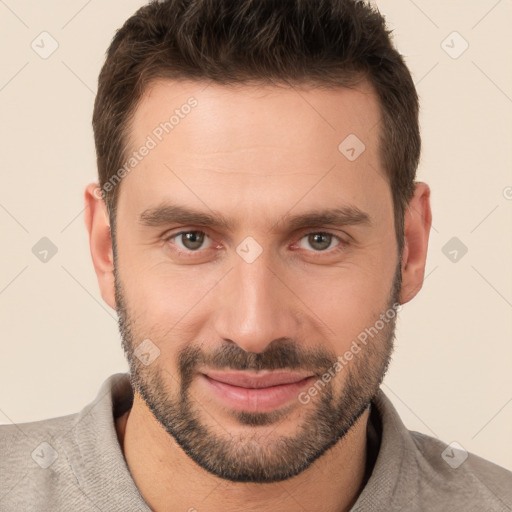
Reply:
x=168 y=236
x=341 y=245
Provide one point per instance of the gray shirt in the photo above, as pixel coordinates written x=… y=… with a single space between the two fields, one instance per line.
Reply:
x=75 y=463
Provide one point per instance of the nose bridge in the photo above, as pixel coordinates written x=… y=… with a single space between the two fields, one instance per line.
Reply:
x=256 y=307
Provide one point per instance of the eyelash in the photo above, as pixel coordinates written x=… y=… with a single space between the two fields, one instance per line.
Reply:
x=191 y=254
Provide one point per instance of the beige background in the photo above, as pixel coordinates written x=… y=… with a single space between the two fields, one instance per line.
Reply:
x=451 y=373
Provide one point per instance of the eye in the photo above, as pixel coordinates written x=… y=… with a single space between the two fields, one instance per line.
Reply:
x=190 y=241
x=322 y=241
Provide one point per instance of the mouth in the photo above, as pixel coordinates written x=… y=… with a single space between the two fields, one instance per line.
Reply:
x=256 y=392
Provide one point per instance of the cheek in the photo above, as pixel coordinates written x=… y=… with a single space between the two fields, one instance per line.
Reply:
x=349 y=299
x=170 y=306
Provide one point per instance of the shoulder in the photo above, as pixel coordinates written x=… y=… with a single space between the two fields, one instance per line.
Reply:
x=414 y=471
x=33 y=461
x=452 y=473
x=17 y=438
x=62 y=463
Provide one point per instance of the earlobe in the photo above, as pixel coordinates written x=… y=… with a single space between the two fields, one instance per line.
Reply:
x=417 y=224
x=100 y=242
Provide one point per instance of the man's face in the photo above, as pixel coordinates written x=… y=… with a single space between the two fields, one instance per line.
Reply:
x=259 y=294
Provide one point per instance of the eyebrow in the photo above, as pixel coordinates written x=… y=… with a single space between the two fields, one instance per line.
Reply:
x=167 y=213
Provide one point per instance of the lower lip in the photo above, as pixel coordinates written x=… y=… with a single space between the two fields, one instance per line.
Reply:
x=256 y=400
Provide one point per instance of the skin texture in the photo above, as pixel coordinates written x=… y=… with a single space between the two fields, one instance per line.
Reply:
x=254 y=154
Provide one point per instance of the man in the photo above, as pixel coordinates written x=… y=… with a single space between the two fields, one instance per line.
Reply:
x=257 y=226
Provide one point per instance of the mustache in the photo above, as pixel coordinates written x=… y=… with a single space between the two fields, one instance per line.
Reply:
x=282 y=353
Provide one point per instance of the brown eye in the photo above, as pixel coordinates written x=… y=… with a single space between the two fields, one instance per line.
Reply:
x=189 y=240
x=320 y=241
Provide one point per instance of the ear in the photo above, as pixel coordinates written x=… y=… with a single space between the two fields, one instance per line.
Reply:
x=417 y=224
x=98 y=225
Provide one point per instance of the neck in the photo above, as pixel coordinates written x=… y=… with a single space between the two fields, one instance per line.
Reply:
x=168 y=479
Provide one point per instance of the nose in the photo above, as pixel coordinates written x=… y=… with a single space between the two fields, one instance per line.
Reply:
x=255 y=306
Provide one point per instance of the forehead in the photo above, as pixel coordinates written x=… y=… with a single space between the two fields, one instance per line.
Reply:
x=234 y=116
x=255 y=144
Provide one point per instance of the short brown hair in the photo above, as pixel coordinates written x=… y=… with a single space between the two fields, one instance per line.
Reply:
x=323 y=43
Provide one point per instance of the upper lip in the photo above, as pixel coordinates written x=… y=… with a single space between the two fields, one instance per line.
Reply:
x=263 y=379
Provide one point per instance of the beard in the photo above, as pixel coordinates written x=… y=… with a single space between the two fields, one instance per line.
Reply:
x=255 y=456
